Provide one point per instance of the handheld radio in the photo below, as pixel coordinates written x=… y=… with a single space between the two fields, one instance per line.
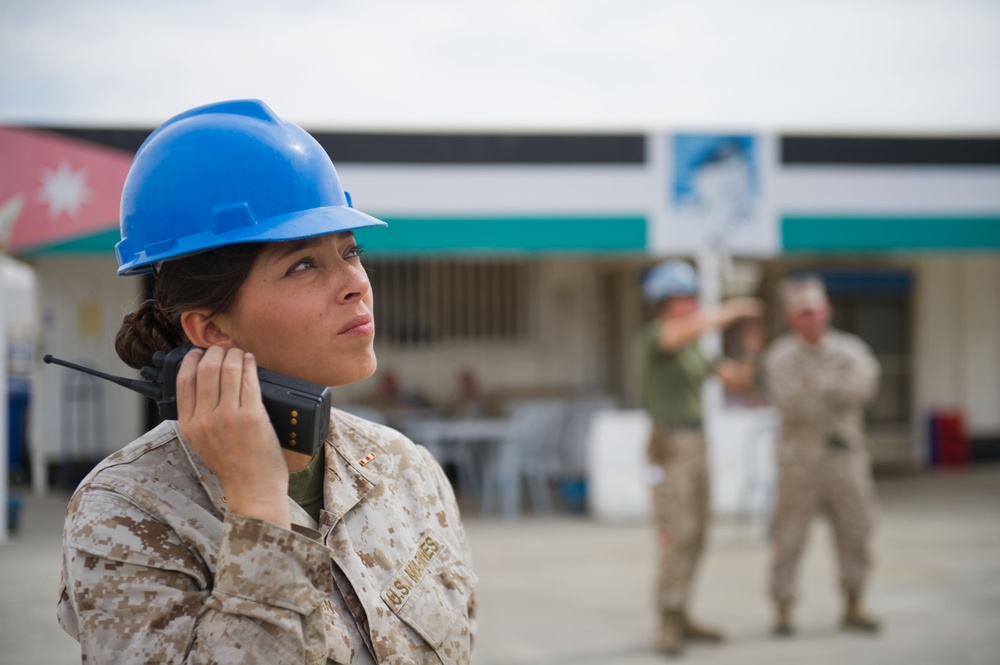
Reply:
x=299 y=410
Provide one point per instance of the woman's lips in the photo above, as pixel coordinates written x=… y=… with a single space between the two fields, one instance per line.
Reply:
x=361 y=325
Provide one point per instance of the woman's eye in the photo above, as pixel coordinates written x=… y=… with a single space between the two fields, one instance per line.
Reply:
x=354 y=251
x=300 y=265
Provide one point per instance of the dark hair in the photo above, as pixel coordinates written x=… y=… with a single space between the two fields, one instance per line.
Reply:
x=209 y=279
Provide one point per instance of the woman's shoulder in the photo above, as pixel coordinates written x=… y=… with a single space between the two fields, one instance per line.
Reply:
x=363 y=431
x=380 y=449
x=146 y=472
x=152 y=448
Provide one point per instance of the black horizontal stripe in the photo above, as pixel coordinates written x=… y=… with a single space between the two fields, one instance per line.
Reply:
x=393 y=148
x=485 y=148
x=122 y=139
x=414 y=148
x=894 y=151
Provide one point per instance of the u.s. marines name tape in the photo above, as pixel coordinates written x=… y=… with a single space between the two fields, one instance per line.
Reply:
x=413 y=572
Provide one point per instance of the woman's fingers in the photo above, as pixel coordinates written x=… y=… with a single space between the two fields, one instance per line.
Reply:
x=231 y=379
x=216 y=378
x=208 y=380
x=226 y=425
x=250 y=387
x=186 y=384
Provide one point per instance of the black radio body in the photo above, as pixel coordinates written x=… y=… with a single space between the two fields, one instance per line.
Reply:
x=299 y=410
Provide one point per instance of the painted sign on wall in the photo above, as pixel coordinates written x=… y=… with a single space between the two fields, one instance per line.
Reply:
x=715 y=194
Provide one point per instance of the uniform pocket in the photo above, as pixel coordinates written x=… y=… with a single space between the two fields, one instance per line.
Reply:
x=431 y=591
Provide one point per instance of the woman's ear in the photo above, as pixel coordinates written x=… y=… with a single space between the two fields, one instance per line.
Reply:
x=205 y=330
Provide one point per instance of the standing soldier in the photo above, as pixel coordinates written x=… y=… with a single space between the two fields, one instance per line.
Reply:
x=208 y=540
x=820 y=379
x=674 y=370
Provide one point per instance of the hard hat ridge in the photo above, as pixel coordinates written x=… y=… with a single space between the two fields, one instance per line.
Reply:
x=227 y=173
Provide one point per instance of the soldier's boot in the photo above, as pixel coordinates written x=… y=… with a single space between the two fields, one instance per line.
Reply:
x=856 y=619
x=783 y=620
x=670 y=638
x=699 y=632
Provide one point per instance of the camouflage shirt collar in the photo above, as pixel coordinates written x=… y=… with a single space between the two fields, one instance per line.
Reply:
x=355 y=463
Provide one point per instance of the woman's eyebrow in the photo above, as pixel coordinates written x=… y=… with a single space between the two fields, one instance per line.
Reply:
x=287 y=247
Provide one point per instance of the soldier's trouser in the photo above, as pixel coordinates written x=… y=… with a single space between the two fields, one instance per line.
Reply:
x=840 y=485
x=680 y=509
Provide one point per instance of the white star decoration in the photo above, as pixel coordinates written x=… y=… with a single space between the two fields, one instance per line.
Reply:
x=64 y=190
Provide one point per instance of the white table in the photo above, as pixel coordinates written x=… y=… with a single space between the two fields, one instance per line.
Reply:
x=458 y=441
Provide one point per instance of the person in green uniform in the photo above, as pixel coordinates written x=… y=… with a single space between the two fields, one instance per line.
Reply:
x=674 y=369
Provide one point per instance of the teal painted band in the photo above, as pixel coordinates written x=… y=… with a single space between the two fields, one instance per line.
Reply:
x=818 y=233
x=506 y=235
x=465 y=235
x=100 y=243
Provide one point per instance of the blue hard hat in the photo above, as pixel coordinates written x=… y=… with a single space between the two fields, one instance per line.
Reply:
x=669 y=279
x=227 y=173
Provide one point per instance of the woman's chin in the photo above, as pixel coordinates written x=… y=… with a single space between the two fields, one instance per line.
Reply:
x=360 y=370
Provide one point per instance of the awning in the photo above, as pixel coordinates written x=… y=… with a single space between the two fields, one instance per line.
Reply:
x=57 y=191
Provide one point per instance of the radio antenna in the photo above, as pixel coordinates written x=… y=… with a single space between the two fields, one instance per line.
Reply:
x=143 y=387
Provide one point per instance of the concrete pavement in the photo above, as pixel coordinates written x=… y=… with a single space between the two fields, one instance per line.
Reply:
x=569 y=590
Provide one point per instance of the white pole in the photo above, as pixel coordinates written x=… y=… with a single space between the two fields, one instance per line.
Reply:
x=710 y=295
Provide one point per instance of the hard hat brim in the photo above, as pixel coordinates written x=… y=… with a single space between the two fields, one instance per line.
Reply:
x=294 y=226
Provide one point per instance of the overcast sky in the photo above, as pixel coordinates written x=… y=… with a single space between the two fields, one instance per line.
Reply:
x=831 y=65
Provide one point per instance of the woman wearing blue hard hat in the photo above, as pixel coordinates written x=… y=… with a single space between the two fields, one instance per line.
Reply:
x=673 y=371
x=205 y=540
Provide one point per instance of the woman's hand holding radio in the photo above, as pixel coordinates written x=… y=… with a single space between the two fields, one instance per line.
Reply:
x=223 y=420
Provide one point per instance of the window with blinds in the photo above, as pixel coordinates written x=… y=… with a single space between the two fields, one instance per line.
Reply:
x=423 y=302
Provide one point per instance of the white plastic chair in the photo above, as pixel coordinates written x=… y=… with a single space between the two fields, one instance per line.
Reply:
x=573 y=447
x=447 y=446
x=529 y=452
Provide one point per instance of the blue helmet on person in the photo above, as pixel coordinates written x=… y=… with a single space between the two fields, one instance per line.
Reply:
x=669 y=279
x=226 y=173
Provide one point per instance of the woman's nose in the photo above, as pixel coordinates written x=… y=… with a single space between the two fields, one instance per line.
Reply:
x=355 y=284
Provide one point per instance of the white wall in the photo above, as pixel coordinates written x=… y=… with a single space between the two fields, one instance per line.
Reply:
x=496 y=190
x=957 y=345
x=561 y=352
x=81 y=304
x=740 y=454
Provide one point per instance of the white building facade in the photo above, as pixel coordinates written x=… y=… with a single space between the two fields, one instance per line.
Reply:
x=518 y=257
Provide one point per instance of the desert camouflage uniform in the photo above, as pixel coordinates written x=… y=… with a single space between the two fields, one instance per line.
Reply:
x=823 y=460
x=679 y=458
x=156 y=570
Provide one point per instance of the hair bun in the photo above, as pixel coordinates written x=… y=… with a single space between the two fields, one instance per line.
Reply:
x=144 y=332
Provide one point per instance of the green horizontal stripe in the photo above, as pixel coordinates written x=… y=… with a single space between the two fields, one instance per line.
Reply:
x=454 y=235
x=819 y=233
x=506 y=235
x=102 y=243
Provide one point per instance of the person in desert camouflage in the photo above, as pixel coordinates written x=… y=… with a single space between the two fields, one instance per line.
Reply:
x=820 y=379
x=673 y=371
x=203 y=541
